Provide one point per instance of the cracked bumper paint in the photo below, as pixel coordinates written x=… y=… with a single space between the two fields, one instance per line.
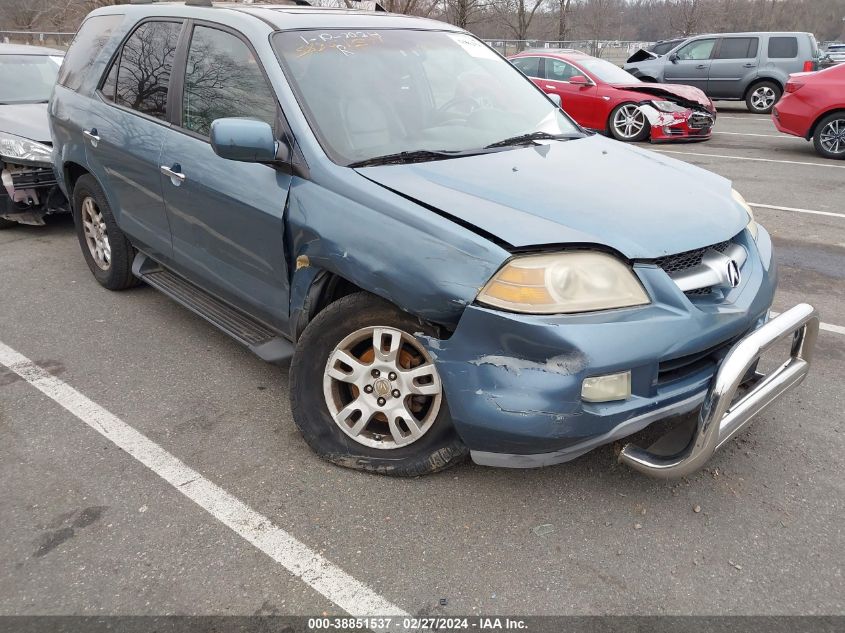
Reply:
x=513 y=381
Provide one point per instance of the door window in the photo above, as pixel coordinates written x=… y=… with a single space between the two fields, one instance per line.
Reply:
x=223 y=79
x=737 y=48
x=557 y=70
x=528 y=65
x=698 y=50
x=143 y=74
x=783 y=47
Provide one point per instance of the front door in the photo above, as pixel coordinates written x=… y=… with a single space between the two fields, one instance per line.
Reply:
x=578 y=101
x=690 y=64
x=226 y=216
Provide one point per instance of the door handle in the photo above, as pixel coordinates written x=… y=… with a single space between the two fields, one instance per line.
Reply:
x=174 y=173
x=749 y=65
x=701 y=66
x=92 y=136
x=548 y=87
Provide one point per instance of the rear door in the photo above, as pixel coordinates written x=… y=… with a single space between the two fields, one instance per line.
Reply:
x=733 y=67
x=690 y=64
x=126 y=130
x=226 y=216
x=579 y=101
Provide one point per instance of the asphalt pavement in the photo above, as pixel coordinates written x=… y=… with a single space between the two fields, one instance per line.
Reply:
x=91 y=524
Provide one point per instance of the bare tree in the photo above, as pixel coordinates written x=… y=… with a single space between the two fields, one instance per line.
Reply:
x=563 y=19
x=686 y=16
x=463 y=13
x=516 y=15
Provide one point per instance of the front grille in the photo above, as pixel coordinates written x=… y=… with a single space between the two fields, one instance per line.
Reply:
x=699 y=120
x=688 y=259
x=33 y=177
x=677 y=368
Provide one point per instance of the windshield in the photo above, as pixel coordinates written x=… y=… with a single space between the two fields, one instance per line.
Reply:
x=382 y=92
x=607 y=72
x=27 y=78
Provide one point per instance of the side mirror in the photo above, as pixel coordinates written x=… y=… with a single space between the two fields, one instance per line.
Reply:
x=580 y=80
x=554 y=98
x=674 y=58
x=243 y=140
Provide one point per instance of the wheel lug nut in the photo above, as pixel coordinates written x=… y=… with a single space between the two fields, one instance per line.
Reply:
x=396 y=393
x=375 y=373
x=392 y=375
x=368 y=388
x=381 y=402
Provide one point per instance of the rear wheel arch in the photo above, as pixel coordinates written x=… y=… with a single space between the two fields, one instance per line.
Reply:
x=759 y=80
x=819 y=119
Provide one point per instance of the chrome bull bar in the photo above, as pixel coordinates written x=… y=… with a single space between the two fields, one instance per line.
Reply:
x=720 y=418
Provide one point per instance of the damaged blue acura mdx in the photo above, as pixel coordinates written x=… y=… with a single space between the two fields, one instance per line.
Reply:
x=452 y=264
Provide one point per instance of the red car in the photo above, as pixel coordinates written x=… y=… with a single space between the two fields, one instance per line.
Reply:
x=603 y=97
x=813 y=107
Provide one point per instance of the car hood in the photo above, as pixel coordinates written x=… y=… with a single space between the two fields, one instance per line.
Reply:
x=688 y=94
x=28 y=120
x=641 y=55
x=585 y=191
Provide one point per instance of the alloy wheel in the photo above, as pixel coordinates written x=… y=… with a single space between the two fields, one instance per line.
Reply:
x=763 y=98
x=832 y=137
x=629 y=121
x=96 y=233
x=381 y=387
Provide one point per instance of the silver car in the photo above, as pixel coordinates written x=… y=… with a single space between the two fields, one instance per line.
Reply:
x=750 y=67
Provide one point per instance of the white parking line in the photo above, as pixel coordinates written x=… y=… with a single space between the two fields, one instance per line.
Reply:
x=761 y=160
x=758 y=119
x=827 y=327
x=794 y=138
x=757 y=205
x=320 y=574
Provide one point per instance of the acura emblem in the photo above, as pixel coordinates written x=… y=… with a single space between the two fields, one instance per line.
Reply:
x=733 y=274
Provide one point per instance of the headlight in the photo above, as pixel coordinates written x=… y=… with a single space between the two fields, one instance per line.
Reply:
x=752 y=224
x=563 y=283
x=668 y=106
x=14 y=147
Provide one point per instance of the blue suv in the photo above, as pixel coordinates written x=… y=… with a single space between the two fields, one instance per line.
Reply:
x=452 y=264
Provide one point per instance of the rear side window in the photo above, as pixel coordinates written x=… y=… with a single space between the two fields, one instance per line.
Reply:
x=146 y=61
x=223 y=79
x=89 y=41
x=783 y=47
x=738 y=48
x=528 y=65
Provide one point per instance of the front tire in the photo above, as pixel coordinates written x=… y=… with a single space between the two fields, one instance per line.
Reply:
x=628 y=123
x=829 y=137
x=106 y=249
x=365 y=394
x=762 y=97
x=6 y=224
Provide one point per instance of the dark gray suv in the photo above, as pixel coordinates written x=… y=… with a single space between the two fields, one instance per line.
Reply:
x=750 y=67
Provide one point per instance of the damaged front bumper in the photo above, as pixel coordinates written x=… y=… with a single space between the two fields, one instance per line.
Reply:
x=514 y=381
x=693 y=125
x=29 y=192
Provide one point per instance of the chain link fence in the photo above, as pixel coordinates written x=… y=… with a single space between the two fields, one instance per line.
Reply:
x=615 y=51
x=37 y=38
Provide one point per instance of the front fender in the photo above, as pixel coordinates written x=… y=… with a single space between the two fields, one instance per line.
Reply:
x=421 y=262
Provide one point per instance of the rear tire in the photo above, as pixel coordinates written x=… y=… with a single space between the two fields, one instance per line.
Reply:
x=6 y=224
x=829 y=137
x=762 y=97
x=628 y=123
x=106 y=249
x=338 y=414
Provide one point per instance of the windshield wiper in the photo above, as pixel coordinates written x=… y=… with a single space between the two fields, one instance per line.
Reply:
x=523 y=139
x=415 y=156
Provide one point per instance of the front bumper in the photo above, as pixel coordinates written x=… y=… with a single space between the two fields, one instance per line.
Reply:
x=692 y=125
x=29 y=192
x=513 y=381
x=721 y=418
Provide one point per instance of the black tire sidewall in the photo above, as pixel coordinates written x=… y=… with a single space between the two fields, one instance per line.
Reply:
x=770 y=84
x=439 y=448
x=642 y=136
x=817 y=141
x=119 y=274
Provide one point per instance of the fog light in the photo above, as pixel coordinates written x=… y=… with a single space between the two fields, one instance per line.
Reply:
x=607 y=388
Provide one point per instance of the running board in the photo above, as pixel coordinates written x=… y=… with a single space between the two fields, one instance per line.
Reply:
x=261 y=340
